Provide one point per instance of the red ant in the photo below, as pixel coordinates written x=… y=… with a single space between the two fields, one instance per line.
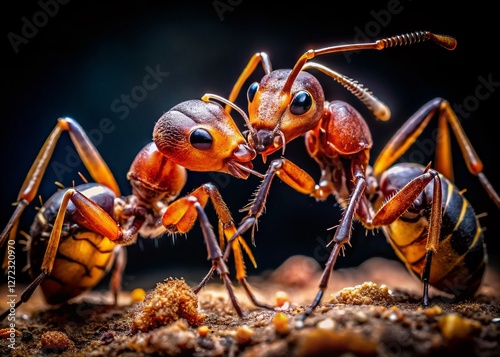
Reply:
x=427 y=221
x=80 y=232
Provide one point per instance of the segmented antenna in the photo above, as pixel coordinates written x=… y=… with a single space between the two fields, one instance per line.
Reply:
x=411 y=38
x=375 y=105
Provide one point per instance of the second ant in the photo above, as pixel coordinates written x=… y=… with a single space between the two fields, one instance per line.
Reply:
x=426 y=219
x=79 y=233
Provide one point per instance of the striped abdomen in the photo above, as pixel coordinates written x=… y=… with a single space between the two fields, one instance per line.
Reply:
x=83 y=256
x=459 y=264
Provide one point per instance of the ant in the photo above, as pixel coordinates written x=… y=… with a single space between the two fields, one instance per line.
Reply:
x=79 y=233
x=426 y=219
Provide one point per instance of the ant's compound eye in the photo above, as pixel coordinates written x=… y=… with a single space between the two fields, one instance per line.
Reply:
x=301 y=103
x=254 y=87
x=201 y=139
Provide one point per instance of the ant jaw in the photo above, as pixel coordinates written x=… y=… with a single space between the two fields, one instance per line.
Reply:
x=266 y=142
x=244 y=153
x=262 y=140
x=240 y=163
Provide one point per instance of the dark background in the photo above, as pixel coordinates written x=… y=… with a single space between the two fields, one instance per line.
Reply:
x=86 y=55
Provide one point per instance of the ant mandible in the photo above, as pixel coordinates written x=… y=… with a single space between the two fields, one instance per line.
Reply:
x=418 y=208
x=80 y=232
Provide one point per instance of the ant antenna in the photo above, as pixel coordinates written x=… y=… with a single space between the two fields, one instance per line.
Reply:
x=378 y=108
x=447 y=42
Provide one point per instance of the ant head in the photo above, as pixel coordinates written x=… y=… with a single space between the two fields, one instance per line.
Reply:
x=201 y=136
x=288 y=103
x=277 y=115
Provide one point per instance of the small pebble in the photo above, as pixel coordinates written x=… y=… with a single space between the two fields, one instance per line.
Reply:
x=280 y=322
x=203 y=331
x=360 y=317
x=244 y=334
x=326 y=324
x=433 y=311
x=281 y=298
x=455 y=327
x=137 y=295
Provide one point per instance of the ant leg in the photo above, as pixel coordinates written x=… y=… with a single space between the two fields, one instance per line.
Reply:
x=290 y=174
x=251 y=295
x=242 y=281
x=215 y=255
x=205 y=280
x=88 y=153
x=425 y=277
x=342 y=236
x=415 y=125
x=181 y=215
x=25 y=296
x=400 y=202
x=116 y=277
x=293 y=176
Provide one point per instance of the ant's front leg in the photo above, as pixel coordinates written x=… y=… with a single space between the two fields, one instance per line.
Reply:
x=215 y=255
x=299 y=180
x=180 y=217
x=341 y=237
x=294 y=177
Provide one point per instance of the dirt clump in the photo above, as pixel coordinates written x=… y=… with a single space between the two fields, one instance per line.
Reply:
x=362 y=314
x=169 y=301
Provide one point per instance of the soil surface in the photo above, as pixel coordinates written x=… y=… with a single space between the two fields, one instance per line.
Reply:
x=371 y=310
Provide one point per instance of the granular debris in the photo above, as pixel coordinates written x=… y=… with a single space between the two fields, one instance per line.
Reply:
x=167 y=302
x=366 y=315
x=55 y=341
